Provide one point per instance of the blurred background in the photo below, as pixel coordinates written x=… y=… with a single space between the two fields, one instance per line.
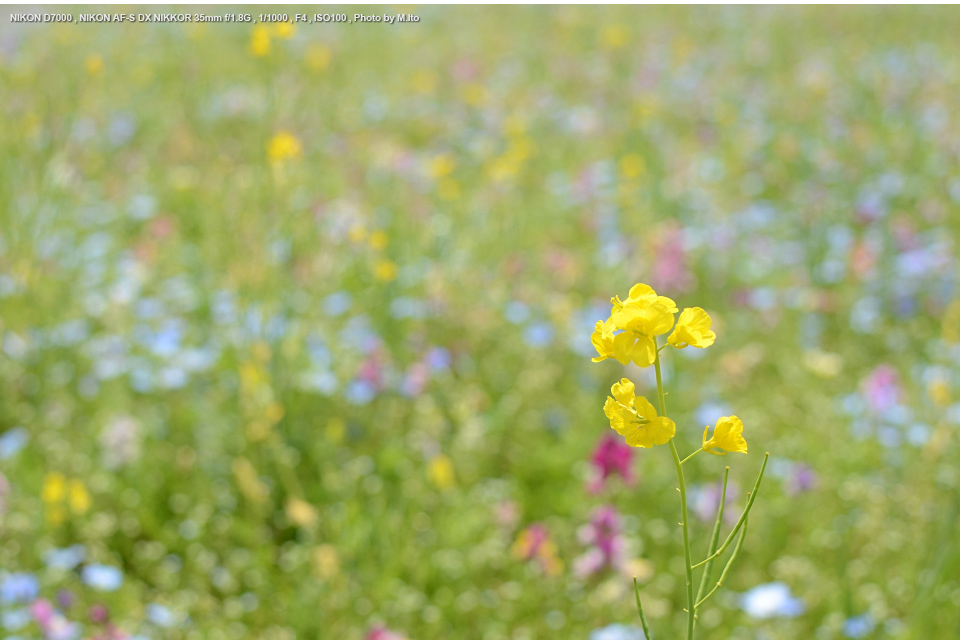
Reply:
x=295 y=321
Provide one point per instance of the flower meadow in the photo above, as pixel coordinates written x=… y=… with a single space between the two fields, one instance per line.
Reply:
x=297 y=321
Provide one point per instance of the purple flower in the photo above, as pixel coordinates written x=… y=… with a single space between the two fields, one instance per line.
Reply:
x=801 y=478
x=612 y=456
x=706 y=501
x=882 y=389
x=605 y=543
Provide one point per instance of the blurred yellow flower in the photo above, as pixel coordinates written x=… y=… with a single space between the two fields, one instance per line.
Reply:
x=357 y=234
x=615 y=36
x=440 y=472
x=475 y=94
x=260 y=41
x=693 y=330
x=94 y=63
x=284 y=30
x=326 y=561
x=939 y=392
x=79 y=497
x=378 y=240
x=442 y=165
x=319 y=56
x=632 y=165
x=635 y=419
x=385 y=271
x=301 y=513
x=727 y=435
x=283 y=146
x=54 y=488
x=424 y=81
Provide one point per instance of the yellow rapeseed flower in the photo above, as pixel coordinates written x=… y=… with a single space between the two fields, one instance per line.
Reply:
x=260 y=41
x=640 y=318
x=693 y=330
x=635 y=419
x=385 y=271
x=440 y=472
x=283 y=146
x=94 y=63
x=79 y=498
x=378 y=240
x=284 y=30
x=54 y=488
x=727 y=435
x=632 y=165
x=319 y=56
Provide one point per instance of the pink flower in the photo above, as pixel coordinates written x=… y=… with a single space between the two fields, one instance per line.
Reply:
x=612 y=456
x=382 y=633
x=605 y=543
x=670 y=269
x=882 y=388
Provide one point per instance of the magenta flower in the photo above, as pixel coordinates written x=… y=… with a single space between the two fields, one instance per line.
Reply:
x=612 y=456
x=605 y=543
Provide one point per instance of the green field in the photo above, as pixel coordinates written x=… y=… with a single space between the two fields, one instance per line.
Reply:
x=295 y=322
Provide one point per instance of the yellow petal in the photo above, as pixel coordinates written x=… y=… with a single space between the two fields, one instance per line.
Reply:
x=727 y=435
x=643 y=408
x=623 y=392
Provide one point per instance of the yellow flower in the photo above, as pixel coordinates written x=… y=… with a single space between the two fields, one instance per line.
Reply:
x=727 y=435
x=640 y=318
x=441 y=473
x=283 y=146
x=79 y=497
x=385 y=271
x=442 y=165
x=300 y=512
x=260 y=41
x=378 y=240
x=94 y=63
x=54 y=488
x=693 y=330
x=284 y=30
x=635 y=419
x=632 y=165
x=602 y=339
x=318 y=57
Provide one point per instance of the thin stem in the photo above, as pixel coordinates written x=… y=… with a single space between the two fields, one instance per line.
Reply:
x=683 y=508
x=743 y=516
x=691 y=455
x=643 y=618
x=716 y=535
x=726 y=569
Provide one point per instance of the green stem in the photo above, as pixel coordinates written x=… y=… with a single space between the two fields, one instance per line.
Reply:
x=683 y=508
x=691 y=455
x=743 y=516
x=643 y=618
x=726 y=569
x=716 y=536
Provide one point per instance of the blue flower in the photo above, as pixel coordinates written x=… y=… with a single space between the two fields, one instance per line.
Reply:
x=67 y=558
x=12 y=442
x=859 y=626
x=617 y=632
x=19 y=587
x=102 y=577
x=539 y=334
x=771 y=600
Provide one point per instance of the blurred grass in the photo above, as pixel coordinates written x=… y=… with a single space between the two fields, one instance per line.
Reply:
x=795 y=167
